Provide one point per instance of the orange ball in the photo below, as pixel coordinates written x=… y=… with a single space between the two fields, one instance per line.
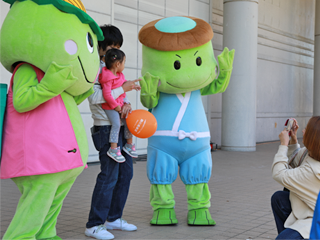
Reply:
x=141 y=123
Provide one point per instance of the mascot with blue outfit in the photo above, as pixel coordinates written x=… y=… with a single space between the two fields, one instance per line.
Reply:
x=178 y=67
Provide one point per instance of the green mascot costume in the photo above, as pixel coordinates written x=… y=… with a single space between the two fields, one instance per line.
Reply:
x=178 y=67
x=50 y=46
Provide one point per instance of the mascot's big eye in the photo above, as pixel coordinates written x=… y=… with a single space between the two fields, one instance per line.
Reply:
x=89 y=43
x=198 y=61
x=177 y=65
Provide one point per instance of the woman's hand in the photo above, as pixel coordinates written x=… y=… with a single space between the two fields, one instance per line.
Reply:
x=130 y=85
x=118 y=108
x=126 y=109
x=293 y=132
x=284 y=137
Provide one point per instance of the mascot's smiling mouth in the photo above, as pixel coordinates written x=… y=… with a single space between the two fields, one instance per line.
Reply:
x=84 y=72
x=208 y=79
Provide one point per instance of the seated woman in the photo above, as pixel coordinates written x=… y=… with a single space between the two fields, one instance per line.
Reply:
x=298 y=170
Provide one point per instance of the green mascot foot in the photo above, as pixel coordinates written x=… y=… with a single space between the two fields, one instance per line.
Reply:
x=200 y=217
x=164 y=216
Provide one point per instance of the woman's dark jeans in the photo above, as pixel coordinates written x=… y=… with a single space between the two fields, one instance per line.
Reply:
x=281 y=208
x=112 y=187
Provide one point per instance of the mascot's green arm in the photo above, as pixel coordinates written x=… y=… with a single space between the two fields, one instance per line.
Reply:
x=220 y=84
x=79 y=99
x=149 y=90
x=28 y=93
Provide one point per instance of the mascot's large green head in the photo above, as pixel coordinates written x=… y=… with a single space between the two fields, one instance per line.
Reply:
x=40 y=32
x=178 y=50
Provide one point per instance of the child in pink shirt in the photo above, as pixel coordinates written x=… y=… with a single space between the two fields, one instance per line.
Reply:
x=110 y=78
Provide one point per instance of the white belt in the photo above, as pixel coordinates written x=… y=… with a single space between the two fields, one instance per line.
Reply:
x=182 y=134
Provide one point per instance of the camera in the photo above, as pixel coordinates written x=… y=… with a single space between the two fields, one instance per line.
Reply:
x=289 y=124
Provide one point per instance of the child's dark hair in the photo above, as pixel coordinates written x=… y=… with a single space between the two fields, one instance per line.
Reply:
x=112 y=36
x=113 y=55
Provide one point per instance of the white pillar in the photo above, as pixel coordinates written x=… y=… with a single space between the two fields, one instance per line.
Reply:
x=316 y=69
x=240 y=32
x=209 y=96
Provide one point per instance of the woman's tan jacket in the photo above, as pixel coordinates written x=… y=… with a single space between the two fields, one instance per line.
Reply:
x=297 y=171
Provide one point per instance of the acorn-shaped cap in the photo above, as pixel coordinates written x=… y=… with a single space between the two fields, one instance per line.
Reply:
x=175 y=33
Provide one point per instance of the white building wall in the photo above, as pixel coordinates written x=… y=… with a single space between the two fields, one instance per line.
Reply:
x=285 y=66
x=217 y=43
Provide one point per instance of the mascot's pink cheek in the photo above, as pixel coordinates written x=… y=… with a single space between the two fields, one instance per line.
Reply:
x=71 y=47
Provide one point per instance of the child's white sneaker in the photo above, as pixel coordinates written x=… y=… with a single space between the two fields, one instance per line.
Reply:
x=120 y=224
x=116 y=155
x=99 y=232
x=130 y=149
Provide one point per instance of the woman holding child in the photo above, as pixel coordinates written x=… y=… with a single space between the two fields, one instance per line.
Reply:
x=298 y=170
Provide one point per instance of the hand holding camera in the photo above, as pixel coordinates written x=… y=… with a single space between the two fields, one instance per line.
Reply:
x=289 y=124
x=292 y=127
